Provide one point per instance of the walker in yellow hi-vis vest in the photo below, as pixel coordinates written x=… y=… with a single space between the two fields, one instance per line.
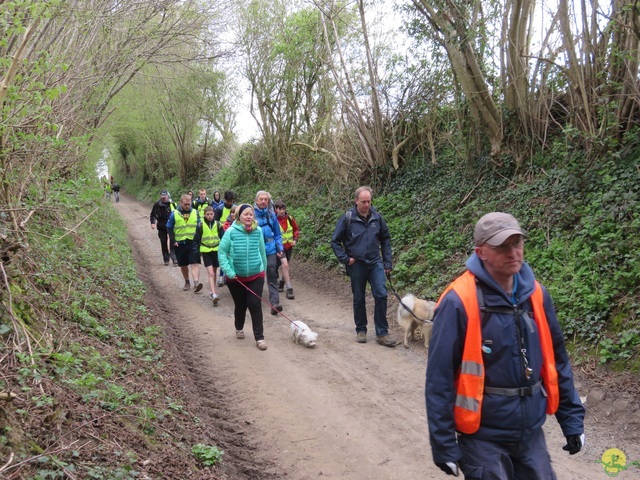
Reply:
x=210 y=237
x=225 y=213
x=286 y=235
x=185 y=229
x=470 y=376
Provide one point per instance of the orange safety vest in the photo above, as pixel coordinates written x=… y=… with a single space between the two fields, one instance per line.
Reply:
x=470 y=376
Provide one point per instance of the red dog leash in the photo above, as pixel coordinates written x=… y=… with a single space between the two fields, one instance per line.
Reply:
x=267 y=303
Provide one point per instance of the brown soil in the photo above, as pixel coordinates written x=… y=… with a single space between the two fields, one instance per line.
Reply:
x=342 y=409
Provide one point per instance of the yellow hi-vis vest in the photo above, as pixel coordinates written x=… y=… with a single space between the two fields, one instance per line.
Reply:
x=225 y=213
x=210 y=237
x=201 y=206
x=185 y=229
x=470 y=376
x=286 y=235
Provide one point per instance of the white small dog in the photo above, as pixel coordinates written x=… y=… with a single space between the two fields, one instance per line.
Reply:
x=303 y=334
x=423 y=309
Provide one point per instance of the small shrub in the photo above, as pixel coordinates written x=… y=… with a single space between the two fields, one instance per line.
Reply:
x=207 y=454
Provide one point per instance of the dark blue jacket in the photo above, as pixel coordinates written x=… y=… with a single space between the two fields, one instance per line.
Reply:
x=503 y=418
x=362 y=239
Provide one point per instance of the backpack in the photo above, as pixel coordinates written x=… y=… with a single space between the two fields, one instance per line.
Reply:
x=347 y=217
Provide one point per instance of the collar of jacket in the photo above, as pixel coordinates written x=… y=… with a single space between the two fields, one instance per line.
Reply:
x=373 y=214
x=239 y=226
x=526 y=278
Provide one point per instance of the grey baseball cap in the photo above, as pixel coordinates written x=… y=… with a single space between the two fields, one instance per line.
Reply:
x=495 y=227
x=164 y=193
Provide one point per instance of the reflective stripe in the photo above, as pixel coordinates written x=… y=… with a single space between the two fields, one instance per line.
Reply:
x=471 y=368
x=467 y=403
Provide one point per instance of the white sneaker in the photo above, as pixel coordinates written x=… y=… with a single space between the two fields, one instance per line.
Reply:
x=215 y=299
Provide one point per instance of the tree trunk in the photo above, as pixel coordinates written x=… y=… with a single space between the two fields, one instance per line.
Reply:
x=454 y=38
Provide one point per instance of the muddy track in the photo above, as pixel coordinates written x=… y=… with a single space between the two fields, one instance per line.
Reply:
x=341 y=410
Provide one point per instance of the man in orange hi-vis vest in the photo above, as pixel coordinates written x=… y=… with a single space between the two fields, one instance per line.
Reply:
x=498 y=365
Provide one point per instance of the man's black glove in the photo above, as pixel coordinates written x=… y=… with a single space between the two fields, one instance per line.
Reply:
x=450 y=468
x=574 y=444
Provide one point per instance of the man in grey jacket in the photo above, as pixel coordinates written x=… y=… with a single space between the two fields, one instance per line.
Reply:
x=360 y=236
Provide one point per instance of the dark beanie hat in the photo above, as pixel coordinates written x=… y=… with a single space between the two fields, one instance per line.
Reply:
x=241 y=208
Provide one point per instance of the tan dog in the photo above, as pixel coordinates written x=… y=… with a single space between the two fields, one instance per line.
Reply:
x=423 y=309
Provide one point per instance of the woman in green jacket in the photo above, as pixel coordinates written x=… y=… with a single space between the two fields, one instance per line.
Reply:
x=243 y=259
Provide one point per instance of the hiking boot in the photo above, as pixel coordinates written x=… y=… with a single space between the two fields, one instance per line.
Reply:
x=198 y=288
x=187 y=286
x=386 y=341
x=290 y=295
x=276 y=308
x=361 y=337
x=166 y=263
x=175 y=263
x=215 y=299
x=281 y=286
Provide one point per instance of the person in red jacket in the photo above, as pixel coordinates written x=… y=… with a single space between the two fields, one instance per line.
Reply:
x=290 y=234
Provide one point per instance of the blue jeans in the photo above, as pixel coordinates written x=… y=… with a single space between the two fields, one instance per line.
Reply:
x=360 y=274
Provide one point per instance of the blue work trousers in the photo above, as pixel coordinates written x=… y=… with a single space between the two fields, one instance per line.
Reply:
x=272 y=279
x=527 y=459
x=361 y=273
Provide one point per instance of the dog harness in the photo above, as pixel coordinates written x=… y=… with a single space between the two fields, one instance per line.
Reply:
x=470 y=386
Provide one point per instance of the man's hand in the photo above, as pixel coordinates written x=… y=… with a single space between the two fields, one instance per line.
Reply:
x=450 y=468
x=575 y=443
x=153 y=226
x=351 y=261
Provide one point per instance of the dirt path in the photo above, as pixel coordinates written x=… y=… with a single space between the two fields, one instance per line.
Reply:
x=341 y=410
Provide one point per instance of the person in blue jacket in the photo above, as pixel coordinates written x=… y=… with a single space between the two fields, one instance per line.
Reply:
x=358 y=239
x=217 y=200
x=268 y=222
x=522 y=366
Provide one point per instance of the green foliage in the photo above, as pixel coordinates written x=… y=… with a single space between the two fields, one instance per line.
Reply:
x=81 y=284
x=582 y=224
x=207 y=454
